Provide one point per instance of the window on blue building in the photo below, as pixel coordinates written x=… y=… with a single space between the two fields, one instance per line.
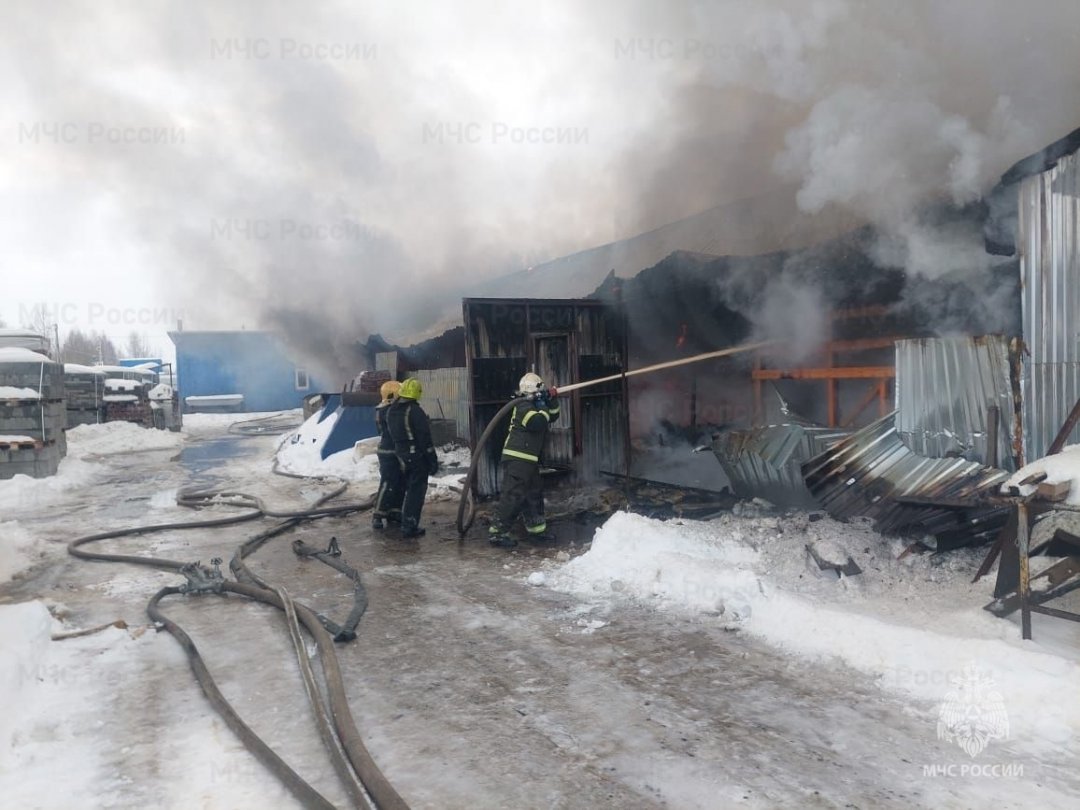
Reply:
x=302 y=382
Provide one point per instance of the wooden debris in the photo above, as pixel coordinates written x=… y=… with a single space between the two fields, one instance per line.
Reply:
x=1053 y=492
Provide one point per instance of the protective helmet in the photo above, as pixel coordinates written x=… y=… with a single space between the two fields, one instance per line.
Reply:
x=530 y=384
x=389 y=390
x=411 y=389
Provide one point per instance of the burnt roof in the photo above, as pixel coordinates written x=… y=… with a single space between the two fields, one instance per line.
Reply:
x=1042 y=160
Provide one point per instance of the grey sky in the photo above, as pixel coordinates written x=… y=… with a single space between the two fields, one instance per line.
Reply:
x=354 y=166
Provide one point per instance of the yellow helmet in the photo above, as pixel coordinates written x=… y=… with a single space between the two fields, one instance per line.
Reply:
x=389 y=391
x=411 y=389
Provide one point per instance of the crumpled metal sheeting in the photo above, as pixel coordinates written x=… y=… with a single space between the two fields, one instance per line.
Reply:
x=944 y=387
x=767 y=462
x=863 y=474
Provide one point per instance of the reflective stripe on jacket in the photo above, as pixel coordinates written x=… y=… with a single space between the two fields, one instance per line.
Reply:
x=528 y=429
x=386 y=441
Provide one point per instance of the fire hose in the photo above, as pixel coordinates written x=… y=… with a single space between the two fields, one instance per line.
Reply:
x=364 y=782
x=465 y=521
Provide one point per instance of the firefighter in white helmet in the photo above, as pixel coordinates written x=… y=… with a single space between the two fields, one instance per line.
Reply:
x=522 y=493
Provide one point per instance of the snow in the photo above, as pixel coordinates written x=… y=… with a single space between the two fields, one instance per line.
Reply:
x=24 y=492
x=17 y=551
x=300 y=454
x=913 y=625
x=10 y=392
x=13 y=354
x=16 y=439
x=1064 y=466
x=120 y=713
x=119 y=437
x=75 y=368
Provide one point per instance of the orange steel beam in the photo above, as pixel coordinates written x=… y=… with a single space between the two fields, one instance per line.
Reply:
x=857 y=345
x=838 y=373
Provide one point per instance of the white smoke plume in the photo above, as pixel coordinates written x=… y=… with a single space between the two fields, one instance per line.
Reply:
x=338 y=169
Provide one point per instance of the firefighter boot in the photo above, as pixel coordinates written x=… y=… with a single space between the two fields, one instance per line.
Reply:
x=410 y=530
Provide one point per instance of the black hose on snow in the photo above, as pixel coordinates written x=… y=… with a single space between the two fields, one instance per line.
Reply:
x=379 y=789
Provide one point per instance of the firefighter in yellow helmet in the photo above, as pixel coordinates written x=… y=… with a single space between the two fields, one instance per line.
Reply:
x=411 y=431
x=391 y=483
x=522 y=491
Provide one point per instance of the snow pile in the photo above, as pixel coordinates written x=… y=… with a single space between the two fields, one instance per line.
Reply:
x=1064 y=466
x=10 y=392
x=25 y=630
x=16 y=549
x=300 y=453
x=677 y=564
x=13 y=354
x=25 y=493
x=915 y=625
x=119 y=437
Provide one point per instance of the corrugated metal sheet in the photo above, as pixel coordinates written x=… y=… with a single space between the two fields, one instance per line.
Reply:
x=863 y=475
x=446 y=396
x=944 y=387
x=767 y=462
x=564 y=341
x=1049 y=247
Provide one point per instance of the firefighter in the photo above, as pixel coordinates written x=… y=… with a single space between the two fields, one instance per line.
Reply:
x=522 y=492
x=411 y=433
x=391 y=485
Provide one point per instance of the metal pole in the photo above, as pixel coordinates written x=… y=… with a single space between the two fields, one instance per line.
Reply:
x=993 y=414
x=1023 y=542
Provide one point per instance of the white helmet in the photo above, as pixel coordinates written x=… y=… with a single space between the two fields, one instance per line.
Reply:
x=530 y=384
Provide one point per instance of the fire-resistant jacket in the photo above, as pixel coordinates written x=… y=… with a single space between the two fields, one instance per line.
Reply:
x=386 y=441
x=410 y=431
x=529 y=424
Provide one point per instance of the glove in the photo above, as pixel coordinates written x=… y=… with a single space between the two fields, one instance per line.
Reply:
x=432 y=463
x=552 y=393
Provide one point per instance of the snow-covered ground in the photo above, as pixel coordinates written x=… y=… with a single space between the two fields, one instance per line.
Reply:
x=666 y=664
x=914 y=625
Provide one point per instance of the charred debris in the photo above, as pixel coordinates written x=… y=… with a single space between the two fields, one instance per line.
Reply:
x=906 y=397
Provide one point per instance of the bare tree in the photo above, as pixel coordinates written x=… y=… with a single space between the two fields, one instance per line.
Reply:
x=137 y=346
x=38 y=321
x=88 y=348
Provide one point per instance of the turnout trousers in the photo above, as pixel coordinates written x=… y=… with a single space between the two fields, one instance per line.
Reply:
x=522 y=494
x=415 y=479
x=391 y=487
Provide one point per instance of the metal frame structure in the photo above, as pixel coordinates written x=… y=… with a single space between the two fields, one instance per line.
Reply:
x=831 y=372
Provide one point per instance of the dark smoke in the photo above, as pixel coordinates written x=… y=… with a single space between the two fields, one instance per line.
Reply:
x=814 y=110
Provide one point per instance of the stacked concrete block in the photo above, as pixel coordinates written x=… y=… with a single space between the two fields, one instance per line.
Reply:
x=84 y=387
x=32 y=414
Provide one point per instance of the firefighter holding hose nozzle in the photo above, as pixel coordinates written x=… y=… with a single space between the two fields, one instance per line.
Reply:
x=522 y=491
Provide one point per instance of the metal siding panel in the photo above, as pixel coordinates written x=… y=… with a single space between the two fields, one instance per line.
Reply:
x=446 y=396
x=943 y=390
x=864 y=473
x=1049 y=215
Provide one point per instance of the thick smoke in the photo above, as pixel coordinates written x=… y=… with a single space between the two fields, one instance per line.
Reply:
x=345 y=169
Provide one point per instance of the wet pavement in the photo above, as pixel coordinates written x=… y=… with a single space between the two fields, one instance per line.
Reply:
x=471 y=688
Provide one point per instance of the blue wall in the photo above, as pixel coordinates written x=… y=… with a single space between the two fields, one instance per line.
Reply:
x=255 y=364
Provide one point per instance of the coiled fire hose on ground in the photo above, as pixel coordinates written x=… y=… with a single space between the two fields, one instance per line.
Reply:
x=365 y=783
x=466 y=515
